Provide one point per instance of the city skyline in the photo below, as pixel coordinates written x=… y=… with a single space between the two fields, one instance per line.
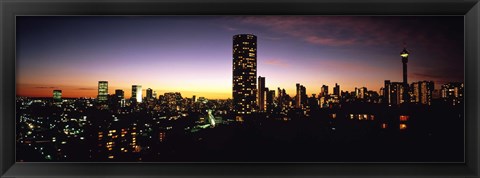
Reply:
x=285 y=57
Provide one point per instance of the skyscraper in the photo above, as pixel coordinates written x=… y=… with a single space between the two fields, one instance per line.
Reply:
x=336 y=90
x=244 y=73
x=136 y=93
x=149 y=93
x=119 y=94
x=301 y=97
x=120 y=97
x=261 y=93
x=324 y=91
x=270 y=100
x=57 y=96
x=393 y=93
x=102 y=91
x=404 y=55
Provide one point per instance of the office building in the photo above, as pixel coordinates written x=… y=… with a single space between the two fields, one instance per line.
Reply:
x=452 y=92
x=149 y=93
x=57 y=96
x=336 y=90
x=261 y=91
x=422 y=92
x=270 y=100
x=244 y=73
x=102 y=91
x=136 y=94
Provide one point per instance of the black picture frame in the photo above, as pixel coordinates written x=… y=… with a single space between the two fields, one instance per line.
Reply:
x=11 y=8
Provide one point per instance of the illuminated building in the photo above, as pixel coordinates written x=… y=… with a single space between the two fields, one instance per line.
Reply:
x=102 y=91
x=336 y=89
x=149 y=93
x=422 y=92
x=301 y=97
x=57 y=96
x=360 y=93
x=244 y=73
x=270 y=100
x=261 y=93
x=405 y=94
x=324 y=91
x=393 y=93
x=136 y=93
x=452 y=92
x=120 y=97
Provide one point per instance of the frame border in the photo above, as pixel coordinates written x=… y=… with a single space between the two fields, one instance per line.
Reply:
x=11 y=8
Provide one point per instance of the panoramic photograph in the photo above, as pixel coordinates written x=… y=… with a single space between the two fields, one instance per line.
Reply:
x=240 y=89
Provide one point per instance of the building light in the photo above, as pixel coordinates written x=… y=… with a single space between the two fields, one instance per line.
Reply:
x=403 y=126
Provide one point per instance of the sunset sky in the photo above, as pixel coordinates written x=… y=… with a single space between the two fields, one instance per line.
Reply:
x=193 y=54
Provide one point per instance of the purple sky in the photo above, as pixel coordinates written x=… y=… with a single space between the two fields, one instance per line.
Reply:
x=193 y=54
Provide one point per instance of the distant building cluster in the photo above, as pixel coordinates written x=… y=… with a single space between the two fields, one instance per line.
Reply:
x=392 y=94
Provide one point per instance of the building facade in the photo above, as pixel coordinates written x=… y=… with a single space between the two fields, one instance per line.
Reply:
x=136 y=94
x=102 y=91
x=57 y=96
x=261 y=93
x=244 y=73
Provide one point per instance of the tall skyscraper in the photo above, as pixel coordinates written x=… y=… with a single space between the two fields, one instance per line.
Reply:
x=270 y=100
x=102 y=91
x=149 y=93
x=120 y=97
x=261 y=93
x=57 y=96
x=244 y=73
x=404 y=55
x=422 y=92
x=336 y=90
x=324 y=91
x=136 y=93
x=301 y=97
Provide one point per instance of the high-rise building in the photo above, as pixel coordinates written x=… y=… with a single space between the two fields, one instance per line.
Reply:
x=57 y=96
x=452 y=92
x=120 y=97
x=406 y=95
x=301 y=97
x=149 y=93
x=244 y=73
x=102 y=91
x=393 y=93
x=270 y=100
x=136 y=93
x=324 y=91
x=261 y=93
x=360 y=93
x=336 y=90
x=119 y=94
x=422 y=92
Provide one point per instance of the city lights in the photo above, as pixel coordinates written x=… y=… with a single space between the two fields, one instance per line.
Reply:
x=300 y=94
